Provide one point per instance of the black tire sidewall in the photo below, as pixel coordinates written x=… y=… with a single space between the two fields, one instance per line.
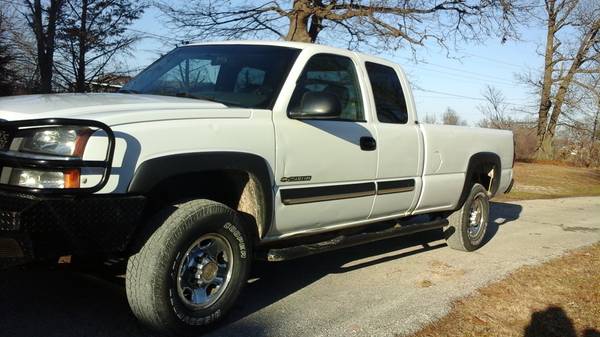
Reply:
x=476 y=190
x=222 y=221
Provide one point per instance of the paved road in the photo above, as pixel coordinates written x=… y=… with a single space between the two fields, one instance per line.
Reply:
x=382 y=289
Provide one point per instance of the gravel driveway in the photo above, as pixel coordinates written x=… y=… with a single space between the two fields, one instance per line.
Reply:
x=388 y=288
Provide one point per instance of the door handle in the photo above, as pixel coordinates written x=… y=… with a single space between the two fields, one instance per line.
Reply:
x=368 y=143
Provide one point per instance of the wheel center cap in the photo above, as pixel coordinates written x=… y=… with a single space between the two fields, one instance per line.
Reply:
x=209 y=272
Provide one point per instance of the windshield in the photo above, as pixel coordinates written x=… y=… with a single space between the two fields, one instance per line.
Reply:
x=236 y=75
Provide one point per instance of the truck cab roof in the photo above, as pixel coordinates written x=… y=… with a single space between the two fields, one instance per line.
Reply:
x=290 y=44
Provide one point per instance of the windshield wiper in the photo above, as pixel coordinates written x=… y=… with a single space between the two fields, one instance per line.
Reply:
x=188 y=95
x=128 y=91
x=210 y=99
x=206 y=98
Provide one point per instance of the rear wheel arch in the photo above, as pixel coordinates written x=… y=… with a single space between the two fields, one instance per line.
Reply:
x=480 y=165
x=239 y=180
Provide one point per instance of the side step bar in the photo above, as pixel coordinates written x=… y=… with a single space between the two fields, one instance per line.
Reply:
x=343 y=241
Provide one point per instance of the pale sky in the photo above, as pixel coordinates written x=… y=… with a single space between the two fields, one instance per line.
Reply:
x=456 y=82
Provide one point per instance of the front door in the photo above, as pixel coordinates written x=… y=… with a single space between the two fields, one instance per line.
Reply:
x=324 y=177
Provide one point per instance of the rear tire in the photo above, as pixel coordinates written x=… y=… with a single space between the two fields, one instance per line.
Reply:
x=191 y=270
x=468 y=225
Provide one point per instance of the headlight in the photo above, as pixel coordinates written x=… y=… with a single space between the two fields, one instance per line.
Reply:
x=69 y=178
x=61 y=141
x=45 y=179
x=48 y=154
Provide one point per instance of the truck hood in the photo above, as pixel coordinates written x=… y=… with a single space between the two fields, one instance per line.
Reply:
x=114 y=109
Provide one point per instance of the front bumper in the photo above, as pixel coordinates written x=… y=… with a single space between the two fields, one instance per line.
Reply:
x=38 y=227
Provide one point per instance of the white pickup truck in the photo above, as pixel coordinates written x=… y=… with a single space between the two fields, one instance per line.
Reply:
x=221 y=152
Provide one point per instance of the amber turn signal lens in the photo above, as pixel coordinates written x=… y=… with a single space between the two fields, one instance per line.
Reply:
x=72 y=178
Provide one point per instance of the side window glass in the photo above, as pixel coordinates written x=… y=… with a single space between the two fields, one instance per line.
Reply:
x=387 y=91
x=333 y=74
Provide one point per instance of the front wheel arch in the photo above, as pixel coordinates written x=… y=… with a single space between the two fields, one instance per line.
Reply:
x=243 y=181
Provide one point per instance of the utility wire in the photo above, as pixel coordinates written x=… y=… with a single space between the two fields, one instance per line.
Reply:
x=463 y=77
x=451 y=95
x=448 y=68
x=493 y=60
x=419 y=97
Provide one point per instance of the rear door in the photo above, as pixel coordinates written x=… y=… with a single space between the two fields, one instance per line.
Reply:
x=324 y=177
x=399 y=141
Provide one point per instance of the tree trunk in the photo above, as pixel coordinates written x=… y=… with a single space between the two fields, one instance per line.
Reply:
x=547 y=149
x=299 y=16
x=543 y=148
x=80 y=85
x=45 y=85
x=315 y=28
x=45 y=41
x=595 y=126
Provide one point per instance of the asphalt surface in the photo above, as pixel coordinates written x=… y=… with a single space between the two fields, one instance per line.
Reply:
x=388 y=288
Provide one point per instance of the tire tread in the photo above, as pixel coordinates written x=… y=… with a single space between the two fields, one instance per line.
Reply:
x=455 y=239
x=140 y=275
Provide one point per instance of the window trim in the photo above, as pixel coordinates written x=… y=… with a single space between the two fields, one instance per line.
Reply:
x=361 y=89
x=402 y=86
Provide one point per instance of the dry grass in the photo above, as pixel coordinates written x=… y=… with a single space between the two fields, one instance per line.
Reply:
x=542 y=181
x=558 y=298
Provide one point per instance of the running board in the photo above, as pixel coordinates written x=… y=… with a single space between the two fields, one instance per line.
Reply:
x=345 y=241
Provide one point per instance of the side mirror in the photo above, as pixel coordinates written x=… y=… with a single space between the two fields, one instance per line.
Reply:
x=318 y=105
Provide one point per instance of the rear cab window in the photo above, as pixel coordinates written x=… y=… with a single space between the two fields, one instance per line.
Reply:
x=390 y=103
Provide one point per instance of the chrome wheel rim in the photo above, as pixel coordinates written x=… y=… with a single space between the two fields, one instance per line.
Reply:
x=478 y=219
x=205 y=271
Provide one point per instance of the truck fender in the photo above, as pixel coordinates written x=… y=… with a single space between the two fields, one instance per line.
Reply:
x=153 y=171
x=476 y=161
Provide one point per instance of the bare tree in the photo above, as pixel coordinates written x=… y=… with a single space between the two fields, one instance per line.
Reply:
x=90 y=34
x=42 y=19
x=590 y=101
x=572 y=34
x=430 y=119
x=6 y=59
x=451 y=117
x=495 y=110
x=27 y=78
x=385 y=23
x=20 y=72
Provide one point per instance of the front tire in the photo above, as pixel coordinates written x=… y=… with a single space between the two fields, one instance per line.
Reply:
x=468 y=225
x=191 y=270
